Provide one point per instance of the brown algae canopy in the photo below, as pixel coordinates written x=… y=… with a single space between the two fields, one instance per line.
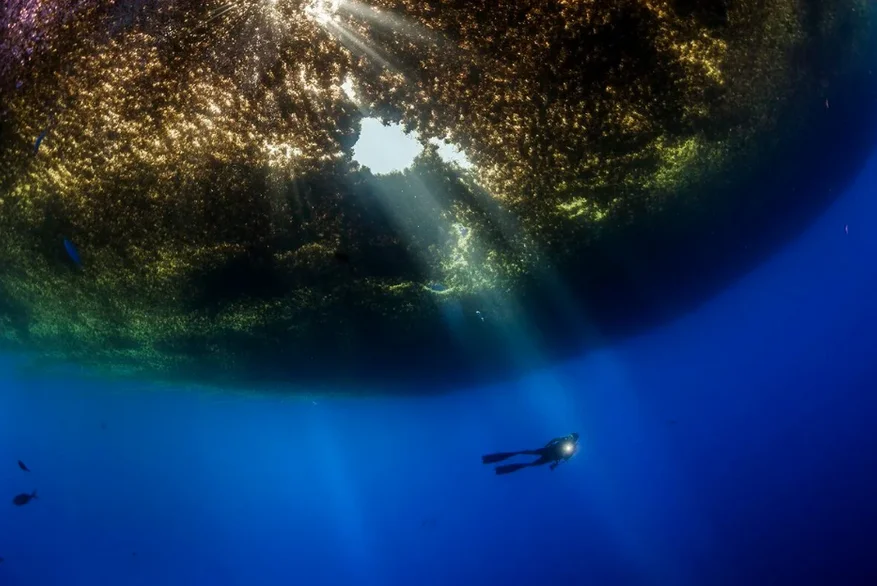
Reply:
x=199 y=155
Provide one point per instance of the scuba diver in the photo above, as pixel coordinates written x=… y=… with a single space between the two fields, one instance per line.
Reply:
x=557 y=451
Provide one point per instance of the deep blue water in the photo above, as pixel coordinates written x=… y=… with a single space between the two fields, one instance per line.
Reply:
x=733 y=446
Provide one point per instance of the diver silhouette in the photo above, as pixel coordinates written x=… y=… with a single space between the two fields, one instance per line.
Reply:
x=555 y=452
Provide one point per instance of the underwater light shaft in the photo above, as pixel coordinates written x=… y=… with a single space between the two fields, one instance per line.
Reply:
x=322 y=10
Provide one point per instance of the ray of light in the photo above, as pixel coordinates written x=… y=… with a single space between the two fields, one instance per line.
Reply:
x=378 y=19
x=520 y=338
x=322 y=11
x=221 y=11
x=357 y=44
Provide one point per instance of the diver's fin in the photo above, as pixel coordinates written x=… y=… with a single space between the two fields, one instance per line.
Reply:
x=510 y=468
x=499 y=457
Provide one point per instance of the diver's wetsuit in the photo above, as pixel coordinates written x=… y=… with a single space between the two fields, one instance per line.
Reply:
x=558 y=450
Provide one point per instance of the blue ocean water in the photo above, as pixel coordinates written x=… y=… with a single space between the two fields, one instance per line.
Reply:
x=733 y=446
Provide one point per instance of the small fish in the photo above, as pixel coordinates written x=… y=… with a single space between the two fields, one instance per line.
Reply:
x=1 y=560
x=847 y=229
x=826 y=104
x=43 y=134
x=341 y=257
x=39 y=141
x=72 y=252
x=24 y=498
x=22 y=466
x=478 y=313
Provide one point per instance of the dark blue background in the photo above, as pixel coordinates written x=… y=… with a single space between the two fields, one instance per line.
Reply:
x=734 y=446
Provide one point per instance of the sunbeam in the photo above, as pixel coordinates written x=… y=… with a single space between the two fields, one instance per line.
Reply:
x=221 y=11
x=499 y=314
x=322 y=11
x=382 y=20
x=356 y=43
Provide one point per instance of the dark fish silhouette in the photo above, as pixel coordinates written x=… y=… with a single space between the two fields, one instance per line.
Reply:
x=40 y=138
x=341 y=257
x=72 y=252
x=1 y=560
x=22 y=466
x=24 y=498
